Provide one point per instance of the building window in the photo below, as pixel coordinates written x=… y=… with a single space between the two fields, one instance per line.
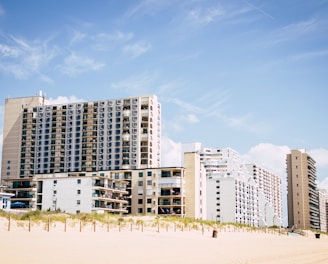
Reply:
x=149 y=173
x=78 y=191
x=140 y=174
x=140 y=201
x=78 y=202
x=55 y=192
x=140 y=183
x=78 y=181
x=148 y=210
x=139 y=210
x=149 y=182
x=148 y=201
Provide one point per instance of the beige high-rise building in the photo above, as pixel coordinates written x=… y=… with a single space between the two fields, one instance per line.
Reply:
x=302 y=196
x=43 y=138
x=13 y=132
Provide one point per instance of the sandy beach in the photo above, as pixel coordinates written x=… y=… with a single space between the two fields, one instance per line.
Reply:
x=131 y=244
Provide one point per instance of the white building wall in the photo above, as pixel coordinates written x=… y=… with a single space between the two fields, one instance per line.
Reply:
x=227 y=199
x=270 y=197
x=64 y=194
x=323 y=196
x=5 y=201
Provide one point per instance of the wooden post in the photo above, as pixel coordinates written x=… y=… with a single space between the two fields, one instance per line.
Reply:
x=94 y=226
x=48 y=226
x=29 y=224
x=65 y=225
x=107 y=226
x=80 y=225
x=175 y=227
x=142 y=227
x=158 y=227
x=202 y=229
x=9 y=223
x=131 y=227
x=119 y=226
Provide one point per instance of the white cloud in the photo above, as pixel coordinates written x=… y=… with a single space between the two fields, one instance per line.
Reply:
x=137 y=49
x=75 y=65
x=320 y=156
x=8 y=51
x=46 y=79
x=171 y=153
x=323 y=184
x=65 y=100
x=269 y=156
x=190 y=118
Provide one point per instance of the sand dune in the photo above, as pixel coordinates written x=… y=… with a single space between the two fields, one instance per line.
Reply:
x=130 y=245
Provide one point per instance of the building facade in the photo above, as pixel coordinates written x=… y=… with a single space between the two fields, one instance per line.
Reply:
x=270 y=185
x=195 y=175
x=77 y=137
x=232 y=192
x=88 y=192
x=151 y=191
x=302 y=192
x=323 y=200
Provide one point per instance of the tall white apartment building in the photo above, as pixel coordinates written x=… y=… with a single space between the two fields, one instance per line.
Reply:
x=40 y=138
x=270 y=185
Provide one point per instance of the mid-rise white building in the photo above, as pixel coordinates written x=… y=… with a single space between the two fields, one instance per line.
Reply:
x=270 y=186
x=323 y=201
x=82 y=192
x=232 y=193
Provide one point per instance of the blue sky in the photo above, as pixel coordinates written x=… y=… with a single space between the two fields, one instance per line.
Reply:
x=250 y=75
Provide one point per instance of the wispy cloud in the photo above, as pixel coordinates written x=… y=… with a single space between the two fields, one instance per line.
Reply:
x=140 y=83
x=293 y=31
x=75 y=65
x=260 y=10
x=77 y=37
x=309 y=55
x=203 y=16
x=104 y=41
x=148 y=7
x=2 y=11
x=137 y=49
x=215 y=109
x=23 y=59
